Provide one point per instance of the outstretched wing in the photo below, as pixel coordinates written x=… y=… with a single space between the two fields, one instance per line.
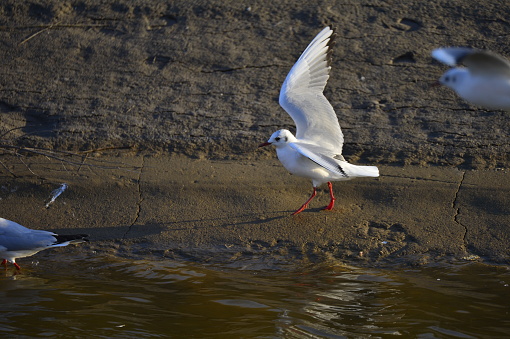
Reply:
x=303 y=99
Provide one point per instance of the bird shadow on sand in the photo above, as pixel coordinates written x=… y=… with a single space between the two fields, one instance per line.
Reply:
x=154 y=228
x=238 y=220
x=243 y=219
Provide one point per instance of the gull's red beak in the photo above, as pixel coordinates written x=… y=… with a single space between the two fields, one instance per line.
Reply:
x=264 y=144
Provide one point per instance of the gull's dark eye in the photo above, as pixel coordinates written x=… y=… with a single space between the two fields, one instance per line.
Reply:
x=447 y=78
x=277 y=138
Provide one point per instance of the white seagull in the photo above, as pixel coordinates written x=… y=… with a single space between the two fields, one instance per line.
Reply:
x=316 y=150
x=485 y=81
x=17 y=241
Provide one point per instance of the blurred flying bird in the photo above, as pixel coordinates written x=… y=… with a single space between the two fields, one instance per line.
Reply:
x=485 y=79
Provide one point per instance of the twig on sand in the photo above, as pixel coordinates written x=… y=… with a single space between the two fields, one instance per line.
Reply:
x=39 y=32
x=8 y=170
x=83 y=161
x=28 y=167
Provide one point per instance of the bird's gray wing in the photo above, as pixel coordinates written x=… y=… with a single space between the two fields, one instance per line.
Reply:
x=27 y=242
x=15 y=237
x=8 y=227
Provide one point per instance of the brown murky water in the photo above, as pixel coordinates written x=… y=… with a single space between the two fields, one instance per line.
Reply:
x=105 y=297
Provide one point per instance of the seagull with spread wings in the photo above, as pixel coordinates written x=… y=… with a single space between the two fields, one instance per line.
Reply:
x=316 y=150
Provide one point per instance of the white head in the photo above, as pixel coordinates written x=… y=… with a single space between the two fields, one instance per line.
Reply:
x=280 y=138
x=454 y=78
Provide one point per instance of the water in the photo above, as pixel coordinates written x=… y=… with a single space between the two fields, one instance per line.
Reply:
x=110 y=297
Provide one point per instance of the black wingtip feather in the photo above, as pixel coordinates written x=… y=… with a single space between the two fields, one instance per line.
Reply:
x=64 y=238
x=331 y=44
x=342 y=171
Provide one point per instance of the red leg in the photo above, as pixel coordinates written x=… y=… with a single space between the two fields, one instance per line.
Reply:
x=332 y=201
x=305 y=205
x=17 y=266
x=4 y=263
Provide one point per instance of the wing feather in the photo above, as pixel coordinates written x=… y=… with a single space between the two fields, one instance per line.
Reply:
x=313 y=153
x=15 y=237
x=302 y=95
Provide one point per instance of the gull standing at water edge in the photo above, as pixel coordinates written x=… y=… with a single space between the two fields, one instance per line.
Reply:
x=316 y=150
x=17 y=241
x=485 y=81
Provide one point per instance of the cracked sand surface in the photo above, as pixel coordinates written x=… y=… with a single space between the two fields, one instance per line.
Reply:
x=219 y=211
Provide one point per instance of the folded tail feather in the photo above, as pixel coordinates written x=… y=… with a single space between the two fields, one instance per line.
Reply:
x=359 y=171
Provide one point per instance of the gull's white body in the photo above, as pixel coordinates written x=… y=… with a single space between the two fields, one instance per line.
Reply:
x=316 y=150
x=17 y=241
x=291 y=156
x=301 y=166
x=485 y=81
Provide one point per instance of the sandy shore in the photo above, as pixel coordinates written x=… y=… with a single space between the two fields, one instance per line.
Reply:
x=239 y=211
x=187 y=81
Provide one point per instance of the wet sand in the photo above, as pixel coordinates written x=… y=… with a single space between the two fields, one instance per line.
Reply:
x=239 y=211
